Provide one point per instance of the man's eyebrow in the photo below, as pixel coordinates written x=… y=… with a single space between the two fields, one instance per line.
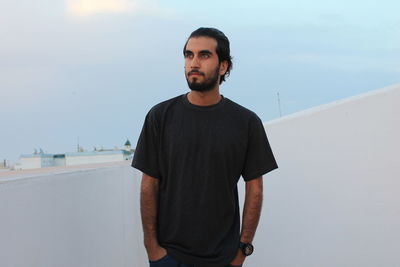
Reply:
x=205 y=52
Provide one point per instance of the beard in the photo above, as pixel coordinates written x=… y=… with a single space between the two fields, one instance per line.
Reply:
x=208 y=84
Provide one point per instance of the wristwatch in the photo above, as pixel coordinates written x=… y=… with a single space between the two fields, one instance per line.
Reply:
x=246 y=248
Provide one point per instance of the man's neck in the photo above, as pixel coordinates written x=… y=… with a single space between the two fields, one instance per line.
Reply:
x=208 y=98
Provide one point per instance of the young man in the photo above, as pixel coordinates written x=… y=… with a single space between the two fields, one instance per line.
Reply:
x=192 y=151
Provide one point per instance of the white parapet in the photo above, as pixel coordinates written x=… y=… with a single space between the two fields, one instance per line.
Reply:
x=334 y=201
x=80 y=216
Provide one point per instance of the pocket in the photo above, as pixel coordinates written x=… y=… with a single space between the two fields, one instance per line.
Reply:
x=160 y=260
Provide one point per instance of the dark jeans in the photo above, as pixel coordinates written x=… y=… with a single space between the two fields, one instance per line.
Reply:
x=168 y=261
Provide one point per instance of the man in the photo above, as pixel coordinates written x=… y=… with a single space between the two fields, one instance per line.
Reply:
x=192 y=151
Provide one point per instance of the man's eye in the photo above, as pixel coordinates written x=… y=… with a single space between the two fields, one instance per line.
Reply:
x=188 y=55
x=205 y=55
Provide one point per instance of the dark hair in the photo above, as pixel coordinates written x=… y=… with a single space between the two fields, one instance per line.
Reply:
x=223 y=50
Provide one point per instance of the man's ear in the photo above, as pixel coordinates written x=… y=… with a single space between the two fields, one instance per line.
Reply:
x=223 y=67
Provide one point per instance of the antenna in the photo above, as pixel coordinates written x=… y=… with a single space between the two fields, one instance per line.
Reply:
x=279 y=105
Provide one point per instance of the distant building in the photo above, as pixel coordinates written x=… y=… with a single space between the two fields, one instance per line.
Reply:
x=127 y=145
x=43 y=160
x=3 y=165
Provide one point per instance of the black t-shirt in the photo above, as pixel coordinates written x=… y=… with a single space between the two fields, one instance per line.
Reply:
x=199 y=154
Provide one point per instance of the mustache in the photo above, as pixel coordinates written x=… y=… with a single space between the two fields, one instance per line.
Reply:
x=195 y=71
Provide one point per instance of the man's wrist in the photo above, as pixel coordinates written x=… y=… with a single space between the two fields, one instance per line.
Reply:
x=151 y=243
x=246 y=248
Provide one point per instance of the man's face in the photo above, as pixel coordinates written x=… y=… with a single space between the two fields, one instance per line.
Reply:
x=202 y=66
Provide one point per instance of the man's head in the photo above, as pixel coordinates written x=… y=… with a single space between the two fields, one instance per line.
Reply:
x=207 y=59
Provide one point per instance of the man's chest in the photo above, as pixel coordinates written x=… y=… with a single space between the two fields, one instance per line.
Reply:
x=210 y=134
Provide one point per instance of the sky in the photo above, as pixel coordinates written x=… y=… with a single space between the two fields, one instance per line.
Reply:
x=91 y=69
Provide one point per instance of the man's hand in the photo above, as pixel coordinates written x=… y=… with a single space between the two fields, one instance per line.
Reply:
x=155 y=253
x=239 y=259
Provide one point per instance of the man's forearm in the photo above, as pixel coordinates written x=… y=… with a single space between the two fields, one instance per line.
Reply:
x=252 y=209
x=148 y=209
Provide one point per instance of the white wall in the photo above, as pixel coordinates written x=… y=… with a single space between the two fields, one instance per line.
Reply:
x=334 y=201
x=80 y=218
x=30 y=162
x=81 y=159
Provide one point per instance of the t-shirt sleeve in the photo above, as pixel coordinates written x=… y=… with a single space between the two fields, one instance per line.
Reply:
x=145 y=157
x=259 y=157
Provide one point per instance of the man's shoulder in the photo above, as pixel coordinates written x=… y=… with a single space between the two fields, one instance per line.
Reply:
x=164 y=105
x=241 y=110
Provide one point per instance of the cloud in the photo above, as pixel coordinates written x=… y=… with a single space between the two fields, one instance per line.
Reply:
x=85 y=8
x=91 y=7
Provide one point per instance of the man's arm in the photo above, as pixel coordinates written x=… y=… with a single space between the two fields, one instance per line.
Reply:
x=252 y=209
x=251 y=214
x=148 y=209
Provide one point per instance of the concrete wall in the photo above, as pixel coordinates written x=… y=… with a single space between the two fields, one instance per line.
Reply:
x=30 y=163
x=77 y=160
x=81 y=218
x=334 y=201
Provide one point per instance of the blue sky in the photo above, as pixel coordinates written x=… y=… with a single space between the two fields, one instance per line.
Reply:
x=93 y=68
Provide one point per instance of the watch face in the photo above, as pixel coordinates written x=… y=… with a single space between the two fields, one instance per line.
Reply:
x=248 y=249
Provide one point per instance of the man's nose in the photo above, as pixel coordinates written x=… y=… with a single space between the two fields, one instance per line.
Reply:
x=195 y=62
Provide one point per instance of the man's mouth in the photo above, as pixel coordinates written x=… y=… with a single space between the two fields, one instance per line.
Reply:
x=195 y=73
